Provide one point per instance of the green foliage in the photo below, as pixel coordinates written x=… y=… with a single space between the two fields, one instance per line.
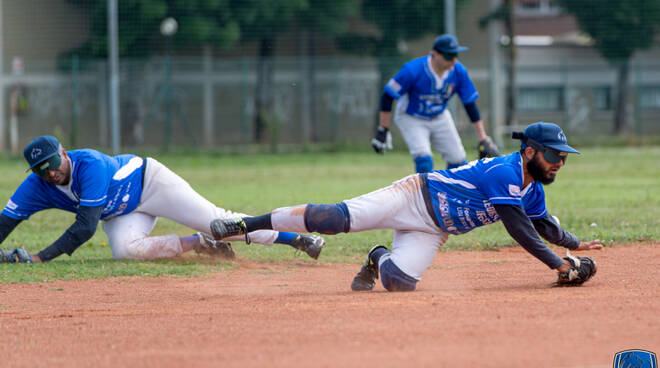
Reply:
x=607 y=193
x=618 y=28
x=266 y=19
x=395 y=21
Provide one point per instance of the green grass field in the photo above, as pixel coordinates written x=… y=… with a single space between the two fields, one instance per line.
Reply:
x=612 y=194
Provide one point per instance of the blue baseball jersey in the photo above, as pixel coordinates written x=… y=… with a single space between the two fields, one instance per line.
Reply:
x=427 y=93
x=463 y=197
x=96 y=180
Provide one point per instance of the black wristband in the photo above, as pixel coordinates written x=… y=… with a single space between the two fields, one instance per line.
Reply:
x=386 y=102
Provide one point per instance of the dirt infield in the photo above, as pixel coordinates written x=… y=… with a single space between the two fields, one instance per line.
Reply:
x=472 y=309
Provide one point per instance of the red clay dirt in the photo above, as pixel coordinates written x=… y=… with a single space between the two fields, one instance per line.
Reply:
x=472 y=309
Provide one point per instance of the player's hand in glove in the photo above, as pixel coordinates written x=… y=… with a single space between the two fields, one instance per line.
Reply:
x=581 y=269
x=16 y=256
x=487 y=148
x=382 y=141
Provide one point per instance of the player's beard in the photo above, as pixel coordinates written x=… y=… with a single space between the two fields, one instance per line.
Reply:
x=535 y=169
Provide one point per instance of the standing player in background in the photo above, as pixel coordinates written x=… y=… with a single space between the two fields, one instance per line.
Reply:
x=423 y=209
x=422 y=89
x=128 y=194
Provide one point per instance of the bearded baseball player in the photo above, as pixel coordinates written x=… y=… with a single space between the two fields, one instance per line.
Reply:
x=424 y=209
x=127 y=193
x=422 y=89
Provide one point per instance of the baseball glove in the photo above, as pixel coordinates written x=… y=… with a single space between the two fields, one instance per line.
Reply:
x=582 y=269
x=487 y=148
x=15 y=256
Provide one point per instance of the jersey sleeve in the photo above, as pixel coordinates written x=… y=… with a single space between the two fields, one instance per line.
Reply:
x=94 y=182
x=27 y=199
x=401 y=83
x=465 y=88
x=501 y=185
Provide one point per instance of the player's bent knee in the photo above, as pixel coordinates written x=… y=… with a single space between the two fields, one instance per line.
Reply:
x=455 y=165
x=423 y=164
x=394 y=279
x=327 y=218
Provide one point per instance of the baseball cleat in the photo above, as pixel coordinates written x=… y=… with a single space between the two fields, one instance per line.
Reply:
x=308 y=243
x=368 y=274
x=214 y=248
x=223 y=228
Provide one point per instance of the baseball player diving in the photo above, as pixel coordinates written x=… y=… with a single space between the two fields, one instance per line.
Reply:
x=422 y=89
x=127 y=193
x=424 y=209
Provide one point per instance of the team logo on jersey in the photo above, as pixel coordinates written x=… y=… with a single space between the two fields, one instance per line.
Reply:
x=36 y=152
x=635 y=358
x=514 y=190
x=448 y=90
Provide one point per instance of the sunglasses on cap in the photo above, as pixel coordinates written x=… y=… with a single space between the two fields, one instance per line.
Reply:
x=549 y=154
x=52 y=163
x=449 y=56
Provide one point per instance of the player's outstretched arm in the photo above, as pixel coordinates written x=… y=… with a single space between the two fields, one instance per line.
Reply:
x=549 y=228
x=79 y=232
x=521 y=229
x=7 y=225
x=590 y=245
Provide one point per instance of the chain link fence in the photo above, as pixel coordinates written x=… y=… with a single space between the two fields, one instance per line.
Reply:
x=197 y=97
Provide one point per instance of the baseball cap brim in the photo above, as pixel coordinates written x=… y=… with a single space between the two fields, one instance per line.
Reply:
x=563 y=148
x=42 y=161
x=453 y=51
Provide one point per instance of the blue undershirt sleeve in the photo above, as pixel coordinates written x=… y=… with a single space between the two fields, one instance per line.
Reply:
x=79 y=232
x=7 y=225
x=520 y=227
x=473 y=112
x=386 y=102
x=553 y=233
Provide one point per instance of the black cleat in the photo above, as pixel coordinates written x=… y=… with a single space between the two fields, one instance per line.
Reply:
x=214 y=248
x=308 y=243
x=368 y=274
x=223 y=228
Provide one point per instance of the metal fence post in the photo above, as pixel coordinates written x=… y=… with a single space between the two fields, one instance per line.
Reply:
x=113 y=56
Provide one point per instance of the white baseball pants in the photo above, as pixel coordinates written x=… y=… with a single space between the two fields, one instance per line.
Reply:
x=438 y=133
x=400 y=207
x=166 y=194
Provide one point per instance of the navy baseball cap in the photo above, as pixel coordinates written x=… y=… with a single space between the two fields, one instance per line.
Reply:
x=548 y=135
x=41 y=149
x=447 y=44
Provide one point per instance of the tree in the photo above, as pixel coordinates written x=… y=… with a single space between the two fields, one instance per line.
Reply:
x=323 y=19
x=200 y=22
x=264 y=20
x=618 y=29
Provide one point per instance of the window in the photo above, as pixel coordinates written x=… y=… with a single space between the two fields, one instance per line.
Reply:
x=649 y=97
x=540 y=98
x=537 y=7
x=603 y=98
